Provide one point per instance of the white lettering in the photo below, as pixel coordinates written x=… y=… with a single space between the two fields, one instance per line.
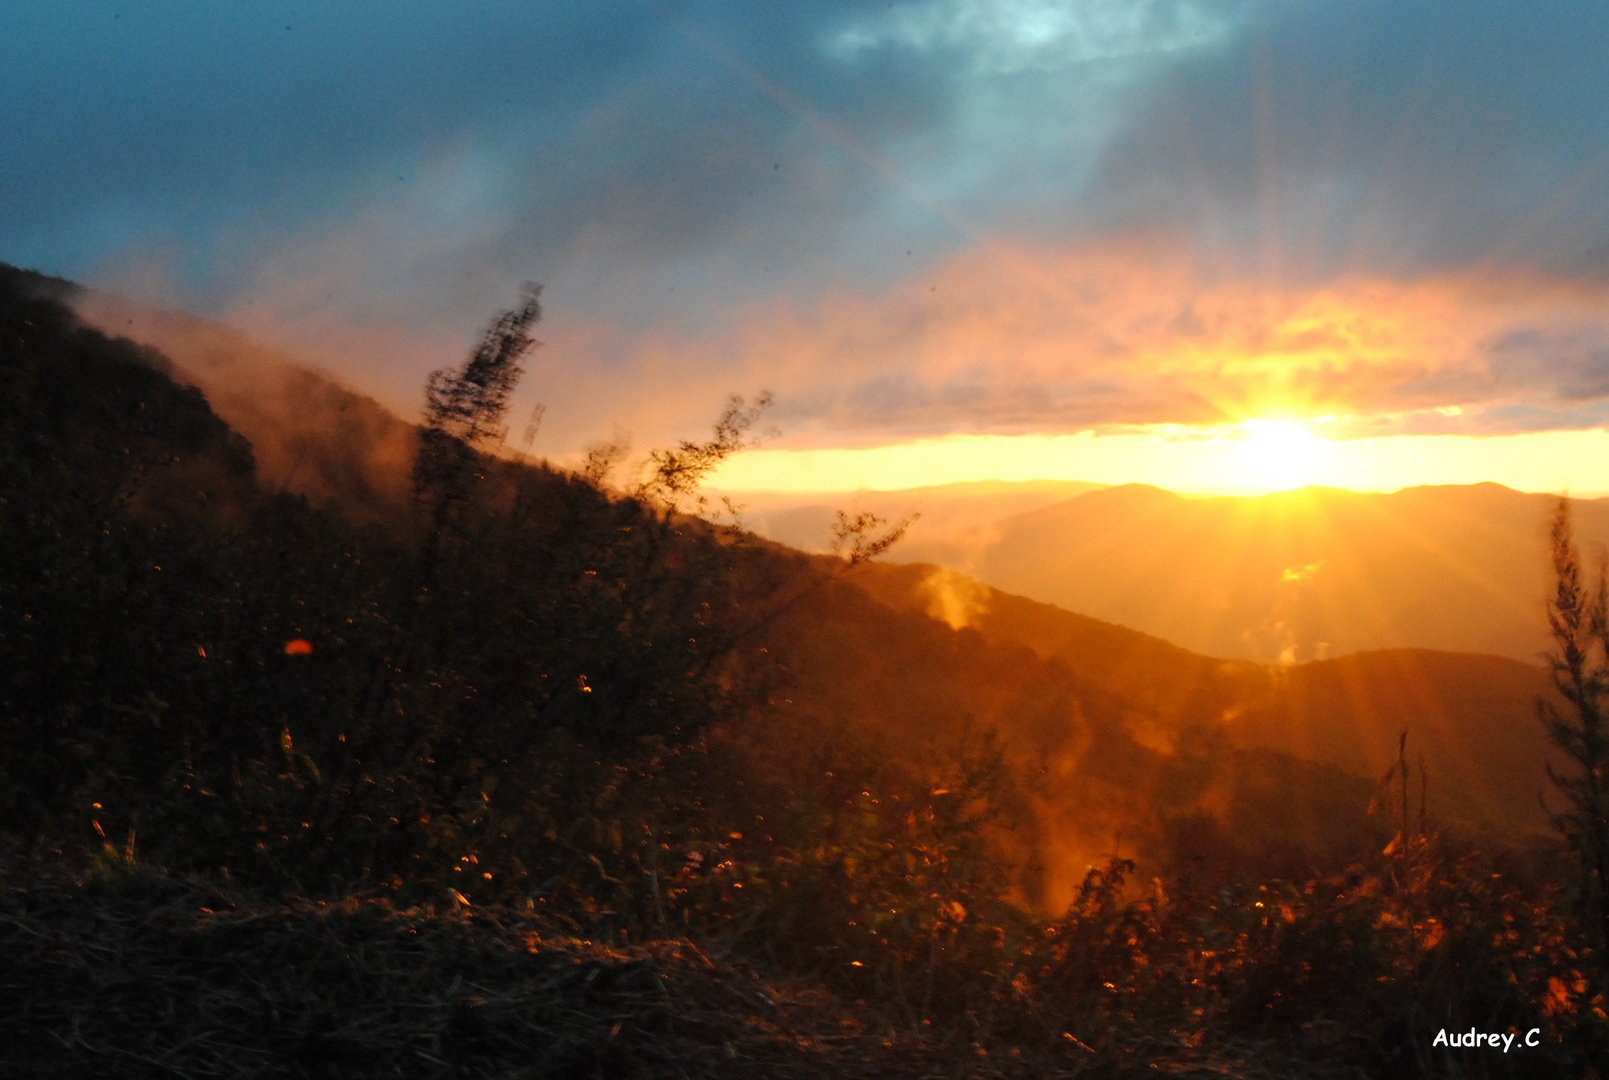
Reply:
x=1473 y=1038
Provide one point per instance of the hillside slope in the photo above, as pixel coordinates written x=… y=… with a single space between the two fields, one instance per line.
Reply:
x=565 y=712
x=1472 y=717
x=312 y=436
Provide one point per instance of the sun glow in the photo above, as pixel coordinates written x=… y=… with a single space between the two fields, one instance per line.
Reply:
x=1234 y=460
x=1280 y=454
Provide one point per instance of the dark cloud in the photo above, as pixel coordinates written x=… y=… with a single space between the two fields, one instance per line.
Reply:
x=1384 y=135
x=1573 y=364
x=179 y=119
x=610 y=133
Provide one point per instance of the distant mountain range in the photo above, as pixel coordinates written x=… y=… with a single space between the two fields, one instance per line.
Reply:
x=1302 y=575
x=949 y=523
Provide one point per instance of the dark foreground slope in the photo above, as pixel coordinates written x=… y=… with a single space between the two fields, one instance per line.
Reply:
x=1088 y=773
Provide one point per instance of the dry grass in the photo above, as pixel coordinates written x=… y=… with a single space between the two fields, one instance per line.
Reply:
x=148 y=976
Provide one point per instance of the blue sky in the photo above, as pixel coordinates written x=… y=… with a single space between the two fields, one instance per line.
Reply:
x=907 y=219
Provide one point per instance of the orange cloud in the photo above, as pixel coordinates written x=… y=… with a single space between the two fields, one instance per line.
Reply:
x=1031 y=338
x=1009 y=338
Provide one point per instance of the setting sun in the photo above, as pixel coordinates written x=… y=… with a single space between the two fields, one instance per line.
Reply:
x=1276 y=454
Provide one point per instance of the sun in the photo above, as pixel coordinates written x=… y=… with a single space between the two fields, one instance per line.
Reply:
x=1277 y=455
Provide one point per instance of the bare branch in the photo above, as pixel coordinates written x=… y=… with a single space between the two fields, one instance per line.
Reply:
x=853 y=538
x=678 y=473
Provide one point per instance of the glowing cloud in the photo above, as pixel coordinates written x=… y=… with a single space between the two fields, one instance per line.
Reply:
x=1023 y=339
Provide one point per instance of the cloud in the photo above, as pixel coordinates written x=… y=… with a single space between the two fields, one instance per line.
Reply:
x=649 y=161
x=601 y=134
x=621 y=144
x=1348 y=137
x=909 y=219
x=1032 y=339
x=1021 y=338
x=1009 y=36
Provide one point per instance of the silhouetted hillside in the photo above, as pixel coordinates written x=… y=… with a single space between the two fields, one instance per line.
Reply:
x=1085 y=778
x=1168 y=686
x=312 y=436
x=1297 y=576
x=1472 y=717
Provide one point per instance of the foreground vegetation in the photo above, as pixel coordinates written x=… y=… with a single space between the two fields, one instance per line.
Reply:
x=503 y=787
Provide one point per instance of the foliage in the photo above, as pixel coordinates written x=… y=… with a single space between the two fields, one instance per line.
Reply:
x=143 y=975
x=855 y=539
x=675 y=475
x=1578 y=616
x=1333 y=967
x=464 y=408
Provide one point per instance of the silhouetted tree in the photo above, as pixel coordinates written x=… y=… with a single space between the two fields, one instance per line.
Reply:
x=464 y=413
x=1578 y=616
x=855 y=539
x=464 y=416
x=677 y=474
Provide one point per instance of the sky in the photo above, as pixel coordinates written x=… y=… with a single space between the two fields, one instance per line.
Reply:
x=1218 y=245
